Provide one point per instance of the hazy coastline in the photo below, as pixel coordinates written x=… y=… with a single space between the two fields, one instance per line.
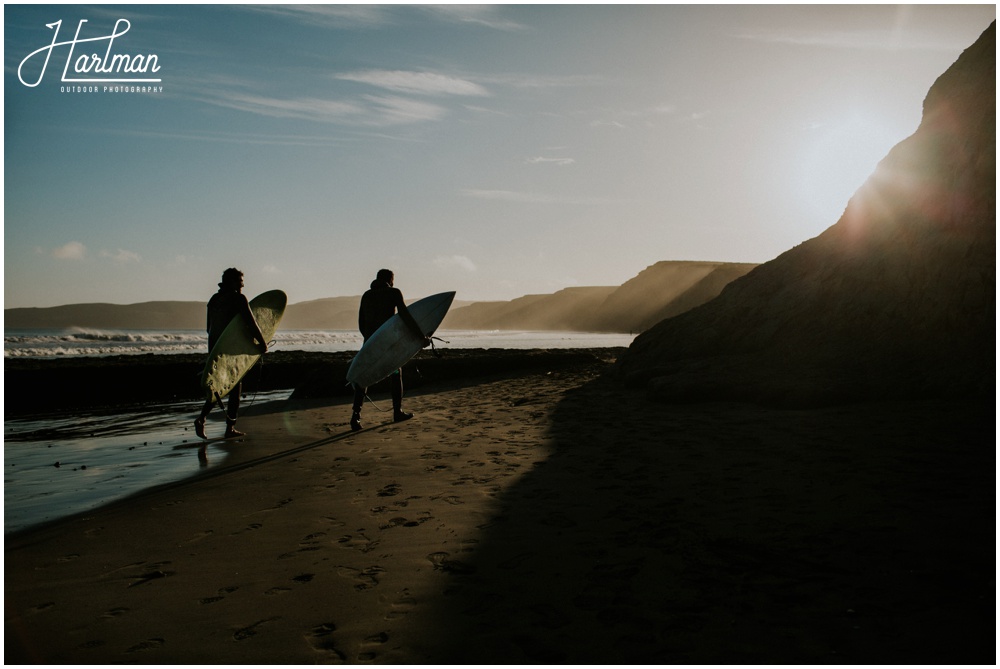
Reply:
x=659 y=291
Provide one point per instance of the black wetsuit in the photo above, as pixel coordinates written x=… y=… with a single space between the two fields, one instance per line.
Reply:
x=223 y=307
x=378 y=305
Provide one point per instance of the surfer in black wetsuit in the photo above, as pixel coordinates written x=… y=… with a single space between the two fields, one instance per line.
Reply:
x=223 y=307
x=378 y=305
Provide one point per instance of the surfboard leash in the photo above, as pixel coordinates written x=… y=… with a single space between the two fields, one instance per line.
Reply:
x=436 y=353
x=260 y=373
x=372 y=402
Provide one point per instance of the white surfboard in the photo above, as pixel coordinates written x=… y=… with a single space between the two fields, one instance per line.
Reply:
x=394 y=342
x=235 y=353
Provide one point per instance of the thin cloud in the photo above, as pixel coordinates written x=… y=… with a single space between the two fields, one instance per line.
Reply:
x=394 y=110
x=544 y=81
x=239 y=138
x=462 y=262
x=530 y=198
x=368 y=110
x=506 y=195
x=421 y=83
x=329 y=16
x=377 y=16
x=480 y=15
x=540 y=160
x=122 y=256
x=626 y=118
x=612 y=124
x=310 y=109
x=873 y=40
x=70 y=251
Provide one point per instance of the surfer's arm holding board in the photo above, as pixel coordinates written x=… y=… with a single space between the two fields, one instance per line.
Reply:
x=411 y=323
x=407 y=317
x=376 y=309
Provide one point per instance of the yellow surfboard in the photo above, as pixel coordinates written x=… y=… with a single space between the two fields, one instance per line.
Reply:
x=235 y=352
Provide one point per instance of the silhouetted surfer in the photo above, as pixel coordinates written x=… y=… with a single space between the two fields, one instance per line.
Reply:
x=223 y=307
x=378 y=305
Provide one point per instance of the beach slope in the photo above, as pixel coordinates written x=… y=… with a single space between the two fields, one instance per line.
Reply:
x=544 y=516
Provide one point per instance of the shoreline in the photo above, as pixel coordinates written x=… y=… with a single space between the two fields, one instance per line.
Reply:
x=48 y=386
x=109 y=452
x=543 y=516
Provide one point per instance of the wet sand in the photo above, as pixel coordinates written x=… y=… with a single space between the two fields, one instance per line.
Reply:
x=542 y=516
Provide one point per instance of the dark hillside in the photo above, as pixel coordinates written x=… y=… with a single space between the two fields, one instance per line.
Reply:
x=896 y=300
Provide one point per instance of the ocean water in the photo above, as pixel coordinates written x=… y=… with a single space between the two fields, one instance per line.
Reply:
x=46 y=343
x=64 y=465
x=68 y=464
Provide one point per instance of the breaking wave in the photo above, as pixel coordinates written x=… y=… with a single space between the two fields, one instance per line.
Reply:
x=71 y=342
x=92 y=342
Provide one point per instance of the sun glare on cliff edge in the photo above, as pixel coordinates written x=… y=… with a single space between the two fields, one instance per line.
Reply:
x=837 y=157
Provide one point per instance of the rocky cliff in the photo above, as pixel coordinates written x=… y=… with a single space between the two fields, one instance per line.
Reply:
x=896 y=300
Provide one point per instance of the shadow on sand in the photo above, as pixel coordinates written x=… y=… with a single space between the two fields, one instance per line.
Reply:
x=731 y=533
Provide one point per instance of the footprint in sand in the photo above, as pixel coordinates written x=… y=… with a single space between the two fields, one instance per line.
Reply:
x=251 y=630
x=93 y=643
x=366 y=578
x=153 y=575
x=320 y=639
x=402 y=606
x=442 y=562
x=148 y=644
x=358 y=541
x=115 y=612
x=370 y=644
x=200 y=536
x=312 y=538
x=311 y=542
x=222 y=595
x=454 y=500
x=249 y=528
x=277 y=590
x=393 y=522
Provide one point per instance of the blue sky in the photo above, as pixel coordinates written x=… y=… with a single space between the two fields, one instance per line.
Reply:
x=492 y=150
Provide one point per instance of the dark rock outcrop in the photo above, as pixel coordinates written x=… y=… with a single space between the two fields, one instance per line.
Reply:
x=896 y=300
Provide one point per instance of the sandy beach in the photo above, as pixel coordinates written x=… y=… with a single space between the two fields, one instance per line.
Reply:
x=541 y=515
